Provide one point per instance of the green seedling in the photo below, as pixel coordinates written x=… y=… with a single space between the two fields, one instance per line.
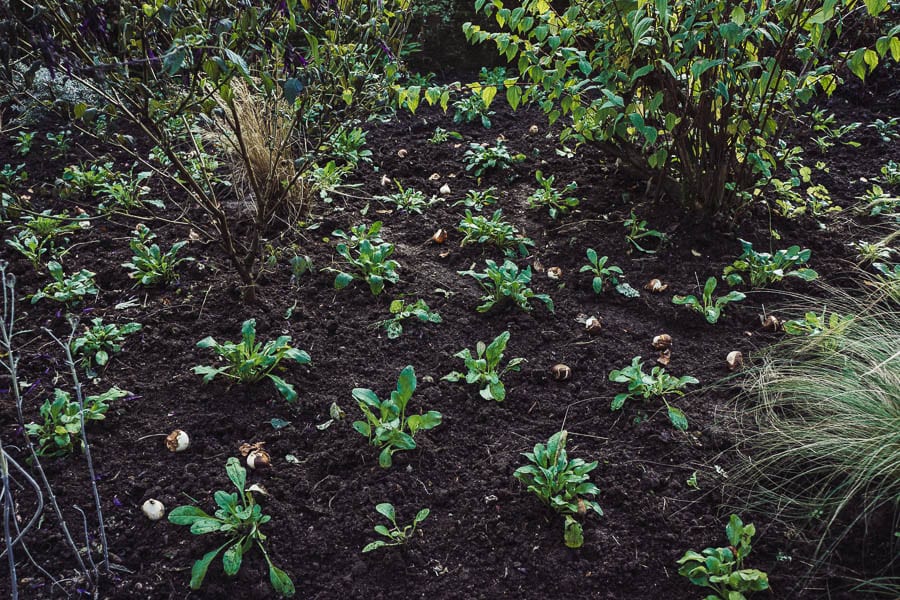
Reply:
x=68 y=290
x=637 y=230
x=483 y=368
x=506 y=283
x=387 y=426
x=127 y=192
x=395 y=535
x=878 y=202
x=100 y=341
x=409 y=200
x=711 y=308
x=360 y=232
x=60 y=432
x=764 y=268
x=656 y=384
x=472 y=108
x=891 y=173
x=441 y=135
x=23 y=142
x=494 y=231
x=250 y=361
x=372 y=265
x=562 y=484
x=722 y=569
x=347 y=145
x=480 y=159
x=402 y=311
x=478 y=199
x=822 y=325
x=150 y=265
x=602 y=274
x=557 y=202
x=239 y=518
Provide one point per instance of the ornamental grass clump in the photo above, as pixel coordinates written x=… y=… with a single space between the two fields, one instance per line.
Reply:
x=824 y=431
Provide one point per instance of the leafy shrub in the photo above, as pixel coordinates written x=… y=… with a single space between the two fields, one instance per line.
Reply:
x=387 y=425
x=249 y=361
x=484 y=367
x=700 y=92
x=239 y=517
x=562 y=484
x=266 y=87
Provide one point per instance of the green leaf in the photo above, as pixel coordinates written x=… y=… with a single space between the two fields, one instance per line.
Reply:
x=374 y=546
x=386 y=509
x=422 y=515
x=284 y=388
x=236 y=473
x=185 y=515
x=198 y=571
x=231 y=560
x=342 y=280
x=676 y=416
x=281 y=581
x=406 y=384
x=384 y=458
x=574 y=534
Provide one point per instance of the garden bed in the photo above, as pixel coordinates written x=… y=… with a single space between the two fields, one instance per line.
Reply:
x=486 y=537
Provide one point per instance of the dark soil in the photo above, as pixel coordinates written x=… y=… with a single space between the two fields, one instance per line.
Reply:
x=486 y=537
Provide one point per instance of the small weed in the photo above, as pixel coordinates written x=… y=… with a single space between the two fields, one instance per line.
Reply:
x=396 y=535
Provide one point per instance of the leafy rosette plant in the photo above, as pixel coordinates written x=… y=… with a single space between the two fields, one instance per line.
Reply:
x=250 y=361
x=387 y=425
x=722 y=569
x=562 y=484
x=656 y=384
x=711 y=308
x=484 y=367
x=764 y=268
x=239 y=517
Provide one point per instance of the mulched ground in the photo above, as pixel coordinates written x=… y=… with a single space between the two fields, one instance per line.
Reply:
x=486 y=537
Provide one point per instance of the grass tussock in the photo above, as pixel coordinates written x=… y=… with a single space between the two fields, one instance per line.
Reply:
x=824 y=430
x=257 y=134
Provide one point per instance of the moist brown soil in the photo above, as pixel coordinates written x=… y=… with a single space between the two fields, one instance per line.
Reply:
x=486 y=537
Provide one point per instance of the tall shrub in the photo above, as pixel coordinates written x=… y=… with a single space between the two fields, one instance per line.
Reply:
x=697 y=92
x=261 y=86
